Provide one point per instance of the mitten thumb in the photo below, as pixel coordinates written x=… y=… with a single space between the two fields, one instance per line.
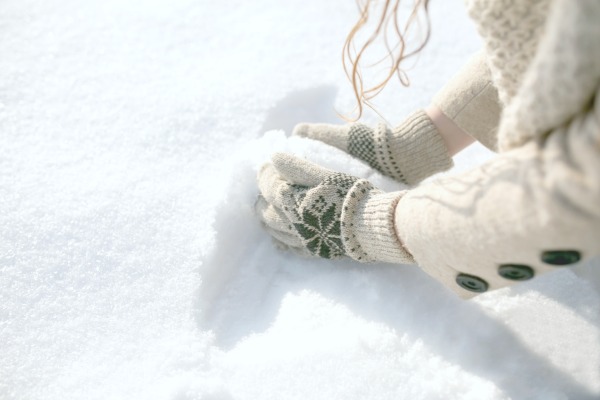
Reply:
x=333 y=135
x=298 y=171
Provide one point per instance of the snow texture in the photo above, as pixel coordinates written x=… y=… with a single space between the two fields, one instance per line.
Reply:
x=132 y=265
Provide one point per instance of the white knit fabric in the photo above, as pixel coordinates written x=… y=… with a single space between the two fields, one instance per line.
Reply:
x=470 y=100
x=319 y=212
x=368 y=229
x=408 y=153
x=542 y=193
x=511 y=30
x=541 y=56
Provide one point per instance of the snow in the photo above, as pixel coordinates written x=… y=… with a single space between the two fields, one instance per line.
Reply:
x=132 y=266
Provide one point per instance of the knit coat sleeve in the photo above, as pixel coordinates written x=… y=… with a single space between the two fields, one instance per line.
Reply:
x=532 y=209
x=536 y=206
x=470 y=100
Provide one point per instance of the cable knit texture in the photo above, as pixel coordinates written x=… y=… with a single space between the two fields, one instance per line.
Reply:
x=511 y=30
x=563 y=75
x=539 y=55
x=541 y=194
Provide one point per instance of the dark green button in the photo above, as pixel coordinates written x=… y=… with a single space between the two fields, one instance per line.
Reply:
x=561 y=257
x=471 y=283
x=516 y=272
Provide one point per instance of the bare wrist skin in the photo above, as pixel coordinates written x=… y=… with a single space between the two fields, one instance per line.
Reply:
x=455 y=138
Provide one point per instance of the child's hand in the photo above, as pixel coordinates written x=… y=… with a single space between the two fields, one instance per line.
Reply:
x=327 y=214
x=408 y=153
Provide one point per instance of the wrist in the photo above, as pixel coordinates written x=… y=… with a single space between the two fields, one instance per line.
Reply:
x=453 y=136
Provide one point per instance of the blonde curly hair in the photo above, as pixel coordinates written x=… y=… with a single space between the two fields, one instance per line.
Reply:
x=388 y=23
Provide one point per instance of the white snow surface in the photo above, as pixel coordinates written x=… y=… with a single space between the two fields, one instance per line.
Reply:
x=132 y=265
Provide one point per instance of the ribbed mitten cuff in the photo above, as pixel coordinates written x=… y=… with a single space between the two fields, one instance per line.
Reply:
x=418 y=149
x=373 y=235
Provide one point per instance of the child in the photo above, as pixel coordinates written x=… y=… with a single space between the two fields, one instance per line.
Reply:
x=533 y=94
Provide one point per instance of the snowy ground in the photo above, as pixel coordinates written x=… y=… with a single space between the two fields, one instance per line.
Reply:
x=131 y=266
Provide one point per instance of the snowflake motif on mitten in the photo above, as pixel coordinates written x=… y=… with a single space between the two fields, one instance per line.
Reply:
x=321 y=232
x=327 y=214
x=315 y=214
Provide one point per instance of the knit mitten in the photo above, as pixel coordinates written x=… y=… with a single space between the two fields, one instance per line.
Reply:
x=328 y=214
x=408 y=153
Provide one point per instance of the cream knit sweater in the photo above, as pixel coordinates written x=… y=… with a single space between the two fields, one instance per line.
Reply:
x=536 y=206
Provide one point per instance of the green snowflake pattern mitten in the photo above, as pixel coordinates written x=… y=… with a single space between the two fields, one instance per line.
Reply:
x=327 y=214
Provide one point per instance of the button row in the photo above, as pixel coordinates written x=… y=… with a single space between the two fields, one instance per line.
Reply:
x=519 y=272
